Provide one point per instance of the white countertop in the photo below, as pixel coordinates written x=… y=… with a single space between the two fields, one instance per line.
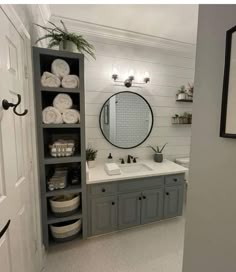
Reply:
x=98 y=174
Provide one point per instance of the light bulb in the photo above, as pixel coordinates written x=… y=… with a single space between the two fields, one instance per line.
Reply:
x=131 y=73
x=114 y=74
x=115 y=71
x=146 y=75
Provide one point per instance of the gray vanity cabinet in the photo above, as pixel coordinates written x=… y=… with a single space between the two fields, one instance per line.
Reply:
x=132 y=202
x=129 y=210
x=103 y=214
x=173 y=201
x=152 y=205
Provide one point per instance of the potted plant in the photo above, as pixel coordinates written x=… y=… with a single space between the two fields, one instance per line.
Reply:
x=91 y=155
x=175 y=119
x=181 y=95
x=158 y=156
x=190 y=91
x=66 y=41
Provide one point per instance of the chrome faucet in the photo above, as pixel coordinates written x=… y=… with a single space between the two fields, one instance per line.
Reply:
x=129 y=158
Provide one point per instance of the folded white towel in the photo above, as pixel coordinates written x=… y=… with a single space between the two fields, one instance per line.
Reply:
x=60 y=68
x=50 y=80
x=71 y=116
x=112 y=169
x=70 y=81
x=62 y=102
x=52 y=116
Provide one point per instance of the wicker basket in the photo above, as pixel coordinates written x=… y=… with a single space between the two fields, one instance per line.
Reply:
x=62 y=148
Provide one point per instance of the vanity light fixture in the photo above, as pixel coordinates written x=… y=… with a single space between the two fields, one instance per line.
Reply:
x=130 y=79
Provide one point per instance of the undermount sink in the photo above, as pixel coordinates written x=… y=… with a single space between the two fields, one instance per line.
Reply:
x=134 y=168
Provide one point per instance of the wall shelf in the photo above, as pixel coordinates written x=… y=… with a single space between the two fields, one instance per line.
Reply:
x=71 y=189
x=47 y=134
x=52 y=219
x=50 y=160
x=184 y=100
x=61 y=125
x=59 y=90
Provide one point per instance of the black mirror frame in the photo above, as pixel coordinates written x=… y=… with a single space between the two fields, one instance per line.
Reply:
x=148 y=132
x=228 y=45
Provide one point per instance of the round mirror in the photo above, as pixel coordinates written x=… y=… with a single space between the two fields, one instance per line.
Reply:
x=126 y=119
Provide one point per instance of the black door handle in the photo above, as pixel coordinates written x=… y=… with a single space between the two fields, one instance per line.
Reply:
x=144 y=197
x=5 y=228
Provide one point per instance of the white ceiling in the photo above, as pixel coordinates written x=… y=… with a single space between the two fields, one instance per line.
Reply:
x=176 y=22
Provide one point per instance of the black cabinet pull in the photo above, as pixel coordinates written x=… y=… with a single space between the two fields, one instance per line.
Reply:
x=113 y=203
x=140 y=198
x=175 y=179
x=167 y=193
x=103 y=190
x=144 y=197
x=5 y=228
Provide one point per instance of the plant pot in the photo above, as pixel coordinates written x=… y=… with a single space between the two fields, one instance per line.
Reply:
x=91 y=164
x=181 y=96
x=158 y=157
x=67 y=46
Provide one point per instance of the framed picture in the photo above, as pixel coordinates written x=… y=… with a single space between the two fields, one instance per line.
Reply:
x=106 y=114
x=228 y=108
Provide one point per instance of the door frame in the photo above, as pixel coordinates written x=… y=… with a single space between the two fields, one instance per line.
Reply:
x=28 y=83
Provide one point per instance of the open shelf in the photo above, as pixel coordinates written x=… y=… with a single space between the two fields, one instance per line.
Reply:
x=60 y=160
x=70 y=189
x=61 y=125
x=48 y=134
x=52 y=219
x=184 y=100
x=60 y=90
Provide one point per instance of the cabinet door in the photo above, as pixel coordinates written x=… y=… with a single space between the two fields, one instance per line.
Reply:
x=103 y=214
x=173 y=203
x=152 y=205
x=129 y=210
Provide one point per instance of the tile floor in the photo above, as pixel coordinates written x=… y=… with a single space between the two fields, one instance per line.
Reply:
x=156 y=247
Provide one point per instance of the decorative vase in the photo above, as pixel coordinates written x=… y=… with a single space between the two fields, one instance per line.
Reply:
x=91 y=164
x=181 y=96
x=67 y=46
x=158 y=157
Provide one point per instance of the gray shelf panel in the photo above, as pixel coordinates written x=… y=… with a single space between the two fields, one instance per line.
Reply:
x=62 y=160
x=52 y=219
x=54 y=243
x=60 y=90
x=184 y=100
x=61 y=125
x=72 y=189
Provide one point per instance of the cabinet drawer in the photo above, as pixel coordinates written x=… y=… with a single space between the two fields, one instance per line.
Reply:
x=103 y=189
x=141 y=183
x=174 y=179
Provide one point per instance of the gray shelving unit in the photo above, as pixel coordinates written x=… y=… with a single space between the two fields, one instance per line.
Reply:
x=45 y=133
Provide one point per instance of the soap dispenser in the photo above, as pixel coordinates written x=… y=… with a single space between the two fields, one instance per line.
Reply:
x=109 y=158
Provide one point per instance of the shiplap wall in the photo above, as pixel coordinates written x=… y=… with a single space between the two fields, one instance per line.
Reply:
x=168 y=70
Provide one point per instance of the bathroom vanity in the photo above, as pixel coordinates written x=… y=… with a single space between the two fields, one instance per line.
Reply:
x=135 y=197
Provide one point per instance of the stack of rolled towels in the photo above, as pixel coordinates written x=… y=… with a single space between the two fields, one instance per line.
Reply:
x=59 y=76
x=61 y=111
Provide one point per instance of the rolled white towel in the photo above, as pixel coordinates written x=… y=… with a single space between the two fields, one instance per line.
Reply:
x=60 y=68
x=70 y=81
x=52 y=116
x=50 y=80
x=62 y=102
x=71 y=116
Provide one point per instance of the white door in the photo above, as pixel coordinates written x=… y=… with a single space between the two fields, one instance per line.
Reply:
x=16 y=244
